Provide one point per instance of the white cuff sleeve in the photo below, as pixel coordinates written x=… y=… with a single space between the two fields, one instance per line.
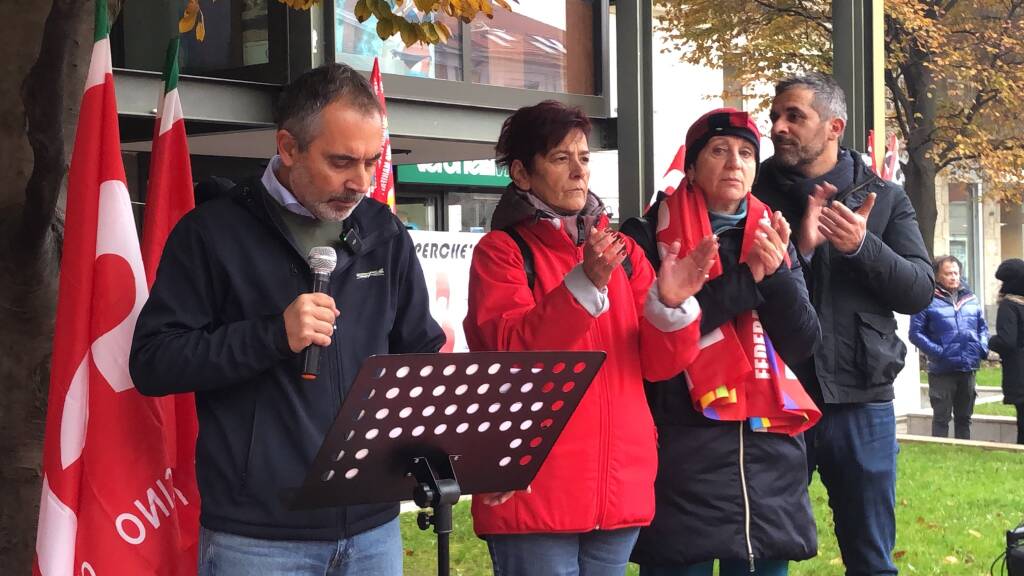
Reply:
x=592 y=299
x=669 y=319
x=859 y=248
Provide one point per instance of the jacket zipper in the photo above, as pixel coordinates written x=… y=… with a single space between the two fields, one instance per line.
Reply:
x=602 y=458
x=842 y=196
x=746 y=504
x=602 y=502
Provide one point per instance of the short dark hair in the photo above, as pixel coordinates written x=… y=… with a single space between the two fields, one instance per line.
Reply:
x=301 y=102
x=533 y=130
x=939 y=261
x=829 y=98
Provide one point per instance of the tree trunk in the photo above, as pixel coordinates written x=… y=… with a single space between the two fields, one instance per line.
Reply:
x=920 y=184
x=46 y=54
x=920 y=169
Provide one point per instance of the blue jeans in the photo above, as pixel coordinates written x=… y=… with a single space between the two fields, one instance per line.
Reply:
x=854 y=449
x=595 y=553
x=376 y=552
x=725 y=568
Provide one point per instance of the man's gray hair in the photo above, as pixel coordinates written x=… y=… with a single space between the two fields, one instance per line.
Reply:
x=300 y=104
x=829 y=100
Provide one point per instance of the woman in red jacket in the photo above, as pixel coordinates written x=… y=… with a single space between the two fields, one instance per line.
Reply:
x=584 y=508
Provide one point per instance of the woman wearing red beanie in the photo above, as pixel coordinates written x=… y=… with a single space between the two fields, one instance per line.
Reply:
x=732 y=471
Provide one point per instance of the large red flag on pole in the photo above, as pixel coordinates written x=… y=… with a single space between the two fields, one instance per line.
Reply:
x=384 y=185
x=169 y=196
x=110 y=503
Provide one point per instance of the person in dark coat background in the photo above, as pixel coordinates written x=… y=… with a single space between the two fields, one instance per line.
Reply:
x=952 y=332
x=1008 y=341
x=730 y=488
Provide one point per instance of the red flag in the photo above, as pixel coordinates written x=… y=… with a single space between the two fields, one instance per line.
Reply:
x=384 y=185
x=871 y=151
x=169 y=196
x=110 y=502
x=674 y=175
x=892 y=159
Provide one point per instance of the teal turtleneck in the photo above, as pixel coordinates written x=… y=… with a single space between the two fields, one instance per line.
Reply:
x=721 y=221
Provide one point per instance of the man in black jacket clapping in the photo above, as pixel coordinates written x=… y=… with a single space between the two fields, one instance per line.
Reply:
x=864 y=259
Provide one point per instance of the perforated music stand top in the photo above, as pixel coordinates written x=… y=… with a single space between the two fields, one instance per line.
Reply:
x=496 y=414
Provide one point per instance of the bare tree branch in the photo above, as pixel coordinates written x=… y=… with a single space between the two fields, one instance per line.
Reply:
x=774 y=7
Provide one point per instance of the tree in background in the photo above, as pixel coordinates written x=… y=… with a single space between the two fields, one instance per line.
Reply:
x=954 y=76
x=46 y=52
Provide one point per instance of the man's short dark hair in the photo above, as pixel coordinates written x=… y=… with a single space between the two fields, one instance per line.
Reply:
x=829 y=99
x=537 y=129
x=939 y=261
x=300 y=104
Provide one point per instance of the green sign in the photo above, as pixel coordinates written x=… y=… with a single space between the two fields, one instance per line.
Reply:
x=461 y=173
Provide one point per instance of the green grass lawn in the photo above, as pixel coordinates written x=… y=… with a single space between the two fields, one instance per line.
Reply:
x=995 y=409
x=988 y=376
x=954 y=505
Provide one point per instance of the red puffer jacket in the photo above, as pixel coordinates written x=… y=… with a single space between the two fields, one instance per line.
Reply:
x=600 y=473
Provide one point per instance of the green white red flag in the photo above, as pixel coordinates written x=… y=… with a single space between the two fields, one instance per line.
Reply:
x=111 y=502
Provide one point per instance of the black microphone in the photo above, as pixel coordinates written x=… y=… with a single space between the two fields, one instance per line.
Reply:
x=322 y=260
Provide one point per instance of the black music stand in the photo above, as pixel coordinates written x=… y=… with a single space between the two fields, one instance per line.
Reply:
x=435 y=426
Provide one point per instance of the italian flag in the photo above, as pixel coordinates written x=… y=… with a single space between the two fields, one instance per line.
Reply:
x=170 y=193
x=111 y=501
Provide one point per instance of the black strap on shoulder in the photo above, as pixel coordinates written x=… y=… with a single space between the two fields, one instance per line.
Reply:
x=527 y=253
x=642 y=231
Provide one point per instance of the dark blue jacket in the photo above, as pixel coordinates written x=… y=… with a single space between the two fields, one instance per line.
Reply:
x=213 y=325
x=705 y=466
x=951 y=331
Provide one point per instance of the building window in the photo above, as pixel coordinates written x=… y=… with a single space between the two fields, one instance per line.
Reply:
x=356 y=44
x=543 y=45
x=241 y=36
x=964 y=241
x=417 y=211
x=471 y=211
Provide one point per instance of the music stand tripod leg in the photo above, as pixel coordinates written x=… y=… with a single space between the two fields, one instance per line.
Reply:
x=440 y=494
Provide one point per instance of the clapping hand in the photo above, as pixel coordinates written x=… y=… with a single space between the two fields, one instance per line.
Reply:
x=811 y=235
x=846 y=228
x=680 y=278
x=602 y=253
x=770 y=246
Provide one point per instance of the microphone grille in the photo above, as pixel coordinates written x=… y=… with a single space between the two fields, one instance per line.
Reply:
x=322 y=259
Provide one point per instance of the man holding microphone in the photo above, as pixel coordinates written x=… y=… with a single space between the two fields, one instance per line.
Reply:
x=233 y=309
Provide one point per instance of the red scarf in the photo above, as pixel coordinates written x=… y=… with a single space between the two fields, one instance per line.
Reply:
x=738 y=375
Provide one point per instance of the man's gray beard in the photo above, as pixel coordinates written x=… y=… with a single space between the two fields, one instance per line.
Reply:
x=323 y=211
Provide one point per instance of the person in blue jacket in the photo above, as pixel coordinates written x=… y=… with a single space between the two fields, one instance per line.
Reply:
x=953 y=334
